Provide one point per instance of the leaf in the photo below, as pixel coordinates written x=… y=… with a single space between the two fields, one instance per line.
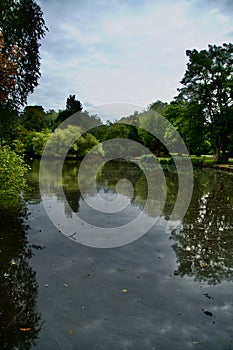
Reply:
x=124 y=290
x=25 y=329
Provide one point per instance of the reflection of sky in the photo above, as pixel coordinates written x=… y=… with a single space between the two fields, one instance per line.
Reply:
x=123 y=51
x=161 y=309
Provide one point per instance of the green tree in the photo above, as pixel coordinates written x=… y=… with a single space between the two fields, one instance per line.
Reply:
x=114 y=132
x=33 y=118
x=72 y=106
x=150 y=120
x=22 y=26
x=208 y=81
x=12 y=179
x=85 y=143
x=35 y=142
x=9 y=122
x=189 y=121
x=158 y=106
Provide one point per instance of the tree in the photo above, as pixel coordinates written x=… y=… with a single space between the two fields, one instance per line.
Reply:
x=33 y=118
x=158 y=106
x=72 y=106
x=116 y=132
x=189 y=121
x=12 y=179
x=208 y=81
x=9 y=122
x=21 y=26
x=8 y=69
x=151 y=120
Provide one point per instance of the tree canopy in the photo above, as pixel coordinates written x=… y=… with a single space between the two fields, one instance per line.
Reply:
x=72 y=106
x=208 y=81
x=22 y=26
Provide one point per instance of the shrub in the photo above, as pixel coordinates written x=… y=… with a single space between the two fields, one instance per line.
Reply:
x=198 y=161
x=12 y=179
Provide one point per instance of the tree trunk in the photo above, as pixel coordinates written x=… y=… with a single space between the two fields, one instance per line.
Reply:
x=219 y=145
x=217 y=155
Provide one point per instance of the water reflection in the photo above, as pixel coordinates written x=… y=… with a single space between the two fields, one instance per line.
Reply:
x=106 y=180
x=19 y=317
x=204 y=245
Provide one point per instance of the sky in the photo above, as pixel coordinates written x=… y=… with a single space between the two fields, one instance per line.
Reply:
x=123 y=51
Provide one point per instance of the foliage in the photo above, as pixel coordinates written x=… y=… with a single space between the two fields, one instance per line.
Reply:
x=84 y=144
x=72 y=106
x=71 y=139
x=158 y=106
x=86 y=121
x=9 y=122
x=22 y=27
x=34 y=118
x=198 y=161
x=37 y=141
x=189 y=121
x=208 y=81
x=116 y=132
x=8 y=68
x=12 y=179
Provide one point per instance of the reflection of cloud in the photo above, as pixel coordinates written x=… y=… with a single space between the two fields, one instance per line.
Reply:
x=131 y=51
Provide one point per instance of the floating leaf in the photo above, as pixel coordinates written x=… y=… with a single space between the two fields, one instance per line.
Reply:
x=124 y=290
x=25 y=329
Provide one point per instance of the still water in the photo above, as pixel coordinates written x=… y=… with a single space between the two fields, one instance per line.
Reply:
x=167 y=290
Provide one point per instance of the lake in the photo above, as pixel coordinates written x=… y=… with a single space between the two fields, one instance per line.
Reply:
x=169 y=289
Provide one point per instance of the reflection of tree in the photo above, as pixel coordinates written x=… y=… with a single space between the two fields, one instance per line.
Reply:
x=204 y=246
x=71 y=186
x=107 y=178
x=19 y=318
x=116 y=170
x=170 y=189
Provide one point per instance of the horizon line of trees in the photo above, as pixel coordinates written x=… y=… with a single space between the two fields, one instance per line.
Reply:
x=201 y=112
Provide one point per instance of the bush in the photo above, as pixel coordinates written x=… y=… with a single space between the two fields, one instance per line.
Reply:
x=34 y=142
x=12 y=179
x=198 y=161
x=166 y=161
x=223 y=159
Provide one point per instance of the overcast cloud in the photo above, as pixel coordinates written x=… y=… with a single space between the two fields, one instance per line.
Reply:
x=123 y=51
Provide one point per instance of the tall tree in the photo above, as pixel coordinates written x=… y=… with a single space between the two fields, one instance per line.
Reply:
x=189 y=121
x=8 y=69
x=208 y=81
x=72 y=106
x=21 y=26
x=33 y=118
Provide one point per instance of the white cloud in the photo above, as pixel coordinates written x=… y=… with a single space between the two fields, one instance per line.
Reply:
x=121 y=53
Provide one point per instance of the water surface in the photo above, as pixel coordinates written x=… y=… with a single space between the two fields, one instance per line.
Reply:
x=179 y=283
